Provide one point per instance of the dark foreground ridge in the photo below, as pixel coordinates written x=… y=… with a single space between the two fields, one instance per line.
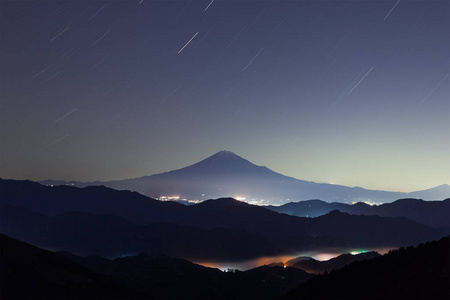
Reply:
x=28 y=272
x=412 y=273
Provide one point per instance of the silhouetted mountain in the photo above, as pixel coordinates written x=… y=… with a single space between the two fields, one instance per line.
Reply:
x=226 y=213
x=412 y=273
x=315 y=266
x=157 y=275
x=293 y=261
x=335 y=228
x=219 y=229
x=163 y=277
x=266 y=282
x=92 y=199
x=430 y=213
x=292 y=233
x=27 y=272
x=315 y=208
x=112 y=236
x=32 y=273
x=223 y=229
x=368 y=231
x=225 y=174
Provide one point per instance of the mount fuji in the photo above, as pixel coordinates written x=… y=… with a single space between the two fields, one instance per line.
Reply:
x=226 y=174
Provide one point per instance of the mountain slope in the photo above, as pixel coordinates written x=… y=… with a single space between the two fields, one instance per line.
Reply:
x=99 y=220
x=112 y=236
x=233 y=231
x=314 y=266
x=92 y=199
x=225 y=174
x=28 y=272
x=31 y=273
x=157 y=275
x=412 y=273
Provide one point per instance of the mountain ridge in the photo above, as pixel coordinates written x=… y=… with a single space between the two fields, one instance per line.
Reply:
x=47 y=216
x=430 y=213
x=314 y=266
x=36 y=273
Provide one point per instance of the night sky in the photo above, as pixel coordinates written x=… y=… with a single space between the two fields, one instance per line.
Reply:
x=347 y=92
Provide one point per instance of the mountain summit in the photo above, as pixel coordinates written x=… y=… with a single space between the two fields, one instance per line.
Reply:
x=223 y=162
x=226 y=174
x=224 y=154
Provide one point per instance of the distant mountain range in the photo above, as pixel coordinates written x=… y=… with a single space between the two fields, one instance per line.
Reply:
x=103 y=221
x=225 y=174
x=431 y=213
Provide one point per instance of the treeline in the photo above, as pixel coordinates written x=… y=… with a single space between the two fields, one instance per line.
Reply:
x=421 y=272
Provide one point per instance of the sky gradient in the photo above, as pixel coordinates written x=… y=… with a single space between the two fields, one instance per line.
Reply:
x=348 y=92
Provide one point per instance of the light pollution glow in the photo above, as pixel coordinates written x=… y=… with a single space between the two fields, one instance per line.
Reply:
x=266 y=260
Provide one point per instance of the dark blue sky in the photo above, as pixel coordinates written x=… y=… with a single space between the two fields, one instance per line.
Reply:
x=347 y=92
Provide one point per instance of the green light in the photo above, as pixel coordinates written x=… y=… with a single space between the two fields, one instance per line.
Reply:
x=355 y=252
